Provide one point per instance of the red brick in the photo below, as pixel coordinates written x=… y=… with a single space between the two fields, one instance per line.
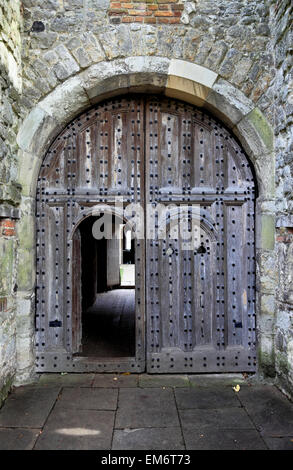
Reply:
x=281 y=239
x=163 y=20
x=139 y=7
x=163 y=13
x=177 y=7
x=285 y=235
x=3 y=304
x=152 y=7
x=150 y=20
x=7 y=227
x=174 y=20
x=140 y=13
x=117 y=12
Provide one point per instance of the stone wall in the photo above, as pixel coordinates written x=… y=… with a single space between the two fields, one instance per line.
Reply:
x=11 y=88
x=282 y=43
x=64 y=39
x=10 y=91
x=8 y=245
x=245 y=42
x=228 y=37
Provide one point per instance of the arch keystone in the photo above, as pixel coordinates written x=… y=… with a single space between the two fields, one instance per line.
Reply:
x=194 y=72
x=186 y=90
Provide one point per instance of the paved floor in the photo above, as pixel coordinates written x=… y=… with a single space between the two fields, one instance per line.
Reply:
x=108 y=326
x=132 y=412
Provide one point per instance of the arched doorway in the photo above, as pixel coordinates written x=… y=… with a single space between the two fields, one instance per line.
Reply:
x=103 y=286
x=197 y=303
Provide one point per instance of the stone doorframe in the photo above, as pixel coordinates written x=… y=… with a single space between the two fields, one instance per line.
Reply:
x=170 y=77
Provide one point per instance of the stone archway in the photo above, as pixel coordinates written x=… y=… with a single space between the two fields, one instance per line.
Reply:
x=175 y=78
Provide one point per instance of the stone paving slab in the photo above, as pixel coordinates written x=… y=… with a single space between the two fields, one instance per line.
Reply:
x=256 y=395
x=18 y=438
x=77 y=411
x=28 y=407
x=88 y=398
x=279 y=443
x=77 y=430
x=115 y=380
x=146 y=380
x=66 y=380
x=206 y=398
x=226 y=418
x=148 y=439
x=218 y=380
x=235 y=439
x=269 y=409
x=152 y=407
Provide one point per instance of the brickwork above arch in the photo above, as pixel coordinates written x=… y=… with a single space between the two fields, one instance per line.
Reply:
x=148 y=12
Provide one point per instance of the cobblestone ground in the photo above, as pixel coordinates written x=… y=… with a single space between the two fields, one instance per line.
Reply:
x=144 y=412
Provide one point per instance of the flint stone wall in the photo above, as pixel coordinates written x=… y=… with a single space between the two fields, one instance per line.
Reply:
x=247 y=43
x=10 y=92
x=282 y=43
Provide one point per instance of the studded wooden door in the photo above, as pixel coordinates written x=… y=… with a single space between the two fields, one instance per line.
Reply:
x=197 y=303
x=96 y=160
x=200 y=297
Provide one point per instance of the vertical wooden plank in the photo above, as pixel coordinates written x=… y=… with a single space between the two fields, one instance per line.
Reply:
x=118 y=148
x=113 y=262
x=207 y=163
x=105 y=151
x=235 y=229
x=197 y=296
x=185 y=297
x=197 y=157
x=54 y=280
x=76 y=292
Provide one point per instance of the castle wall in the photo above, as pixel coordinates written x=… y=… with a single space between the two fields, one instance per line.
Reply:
x=246 y=44
x=10 y=91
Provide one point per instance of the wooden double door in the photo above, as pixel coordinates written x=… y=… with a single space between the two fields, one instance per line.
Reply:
x=194 y=190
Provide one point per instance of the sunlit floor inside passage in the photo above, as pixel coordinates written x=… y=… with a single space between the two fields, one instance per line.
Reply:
x=108 y=326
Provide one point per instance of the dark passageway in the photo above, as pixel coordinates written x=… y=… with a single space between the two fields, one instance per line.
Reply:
x=108 y=294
